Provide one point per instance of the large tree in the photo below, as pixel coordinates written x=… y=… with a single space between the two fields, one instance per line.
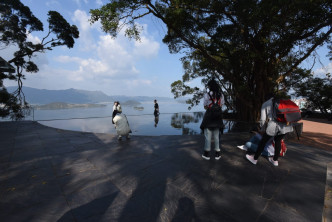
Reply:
x=318 y=94
x=16 y=23
x=253 y=47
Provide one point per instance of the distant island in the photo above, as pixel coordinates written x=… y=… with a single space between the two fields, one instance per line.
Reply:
x=62 y=105
x=139 y=108
x=135 y=104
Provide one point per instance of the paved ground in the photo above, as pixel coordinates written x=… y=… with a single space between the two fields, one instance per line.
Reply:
x=55 y=175
x=317 y=133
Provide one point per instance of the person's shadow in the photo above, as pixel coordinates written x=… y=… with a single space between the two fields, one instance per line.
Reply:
x=185 y=211
x=147 y=200
x=98 y=206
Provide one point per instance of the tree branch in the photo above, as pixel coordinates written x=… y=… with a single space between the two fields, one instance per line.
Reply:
x=191 y=43
x=318 y=43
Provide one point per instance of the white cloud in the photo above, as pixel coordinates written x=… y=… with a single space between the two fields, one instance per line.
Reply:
x=83 y=19
x=97 y=61
x=321 y=72
x=117 y=55
x=33 y=39
x=105 y=66
x=67 y=59
x=146 y=47
x=110 y=57
x=86 y=40
x=87 y=68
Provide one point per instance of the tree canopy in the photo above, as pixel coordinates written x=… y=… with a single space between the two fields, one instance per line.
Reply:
x=16 y=23
x=252 y=47
x=318 y=93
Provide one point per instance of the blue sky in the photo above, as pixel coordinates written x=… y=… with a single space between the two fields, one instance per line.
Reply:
x=115 y=66
x=98 y=62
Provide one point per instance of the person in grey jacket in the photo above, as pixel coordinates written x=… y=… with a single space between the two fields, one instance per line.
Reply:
x=271 y=128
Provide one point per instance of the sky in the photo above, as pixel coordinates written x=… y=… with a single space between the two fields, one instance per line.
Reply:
x=115 y=66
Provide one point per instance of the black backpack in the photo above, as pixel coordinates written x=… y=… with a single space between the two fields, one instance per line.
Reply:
x=215 y=112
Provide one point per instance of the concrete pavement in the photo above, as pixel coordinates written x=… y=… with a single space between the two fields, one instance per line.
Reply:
x=48 y=174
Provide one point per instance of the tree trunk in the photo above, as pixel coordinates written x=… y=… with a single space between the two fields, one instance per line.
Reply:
x=248 y=102
x=248 y=111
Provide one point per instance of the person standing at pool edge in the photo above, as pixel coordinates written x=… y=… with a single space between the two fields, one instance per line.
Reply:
x=156 y=108
x=212 y=126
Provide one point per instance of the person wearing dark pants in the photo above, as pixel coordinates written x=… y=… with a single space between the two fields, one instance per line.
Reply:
x=271 y=128
x=277 y=146
x=156 y=108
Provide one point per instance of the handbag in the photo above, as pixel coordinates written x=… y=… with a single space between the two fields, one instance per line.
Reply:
x=283 y=148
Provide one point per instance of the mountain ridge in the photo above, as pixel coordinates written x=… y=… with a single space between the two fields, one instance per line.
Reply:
x=77 y=96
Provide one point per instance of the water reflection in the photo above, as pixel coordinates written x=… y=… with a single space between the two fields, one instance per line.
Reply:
x=188 y=122
x=163 y=124
x=156 y=120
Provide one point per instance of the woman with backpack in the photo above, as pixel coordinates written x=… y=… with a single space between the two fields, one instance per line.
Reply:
x=271 y=128
x=212 y=120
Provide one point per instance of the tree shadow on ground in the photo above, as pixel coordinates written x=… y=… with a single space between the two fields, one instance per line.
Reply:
x=154 y=178
x=159 y=179
x=138 y=171
x=165 y=179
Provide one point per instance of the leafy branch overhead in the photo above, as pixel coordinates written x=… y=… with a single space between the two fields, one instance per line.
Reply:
x=253 y=47
x=16 y=23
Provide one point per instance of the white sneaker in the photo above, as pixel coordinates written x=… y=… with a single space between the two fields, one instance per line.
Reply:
x=205 y=155
x=251 y=159
x=218 y=156
x=243 y=147
x=274 y=163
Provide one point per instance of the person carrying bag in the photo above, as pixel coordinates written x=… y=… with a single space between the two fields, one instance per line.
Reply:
x=271 y=128
x=212 y=120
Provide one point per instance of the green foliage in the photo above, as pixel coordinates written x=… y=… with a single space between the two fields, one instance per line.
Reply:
x=12 y=107
x=64 y=32
x=112 y=14
x=318 y=93
x=252 y=47
x=16 y=22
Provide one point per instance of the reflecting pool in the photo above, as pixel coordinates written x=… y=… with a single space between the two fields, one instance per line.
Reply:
x=149 y=125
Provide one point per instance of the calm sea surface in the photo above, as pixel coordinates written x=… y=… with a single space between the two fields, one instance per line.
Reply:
x=174 y=119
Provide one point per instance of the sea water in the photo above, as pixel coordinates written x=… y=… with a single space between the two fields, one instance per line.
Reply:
x=174 y=119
